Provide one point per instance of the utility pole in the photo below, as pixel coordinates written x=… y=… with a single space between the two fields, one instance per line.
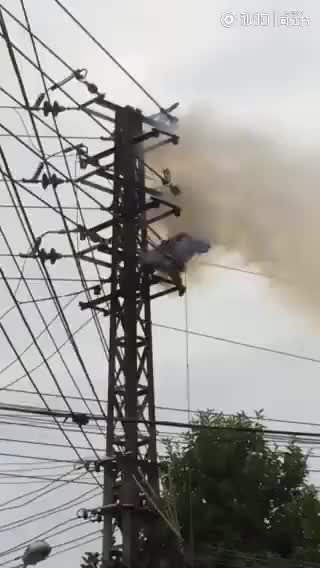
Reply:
x=131 y=474
x=131 y=505
x=130 y=508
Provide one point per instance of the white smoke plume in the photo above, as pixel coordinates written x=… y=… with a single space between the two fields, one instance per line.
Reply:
x=249 y=195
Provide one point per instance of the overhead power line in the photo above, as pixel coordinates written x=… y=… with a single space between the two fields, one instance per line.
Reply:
x=66 y=208
x=16 y=422
x=176 y=424
x=234 y=269
x=75 y=501
x=80 y=538
x=46 y=364
x=175 y=409
x=35 y=467
x=44 y=478
x=87 y=292
x=240 y=343
x=131 y=422
x=61 y=315
x=27 y=442
x=53 y=279
x=83 y=541
x=49 y=356
x=54 y=84
x=52 y=136
x=47 y=411
x=37 y=493
x=51 y=531
x=38 y=458
x=50 y=287
x=108 y=54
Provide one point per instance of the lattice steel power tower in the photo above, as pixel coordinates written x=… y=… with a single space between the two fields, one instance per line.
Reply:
x=131 y=476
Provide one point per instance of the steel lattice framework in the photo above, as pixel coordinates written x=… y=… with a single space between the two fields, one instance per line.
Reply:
x=131 y=478
x=131 y=504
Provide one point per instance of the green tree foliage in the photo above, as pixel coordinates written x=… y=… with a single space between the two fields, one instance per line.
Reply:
x=91 y=560
x=239 y=498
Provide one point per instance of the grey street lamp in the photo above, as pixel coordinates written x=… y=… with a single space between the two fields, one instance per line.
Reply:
x=36 y=552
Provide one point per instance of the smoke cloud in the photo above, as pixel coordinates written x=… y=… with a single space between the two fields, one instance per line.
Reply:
x=249 y=195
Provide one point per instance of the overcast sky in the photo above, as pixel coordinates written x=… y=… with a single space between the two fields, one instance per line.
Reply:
x=263 y=77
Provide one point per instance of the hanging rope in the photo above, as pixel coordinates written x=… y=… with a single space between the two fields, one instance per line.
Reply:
x=191 y=531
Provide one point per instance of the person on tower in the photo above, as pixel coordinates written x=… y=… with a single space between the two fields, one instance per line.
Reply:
x=172 y=255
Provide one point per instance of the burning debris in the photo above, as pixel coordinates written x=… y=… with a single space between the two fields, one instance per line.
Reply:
x=171 y=256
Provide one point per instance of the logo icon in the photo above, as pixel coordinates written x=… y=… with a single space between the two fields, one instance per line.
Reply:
x=228 y=19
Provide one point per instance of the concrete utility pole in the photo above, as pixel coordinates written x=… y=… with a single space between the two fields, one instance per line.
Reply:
x=131 y=475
